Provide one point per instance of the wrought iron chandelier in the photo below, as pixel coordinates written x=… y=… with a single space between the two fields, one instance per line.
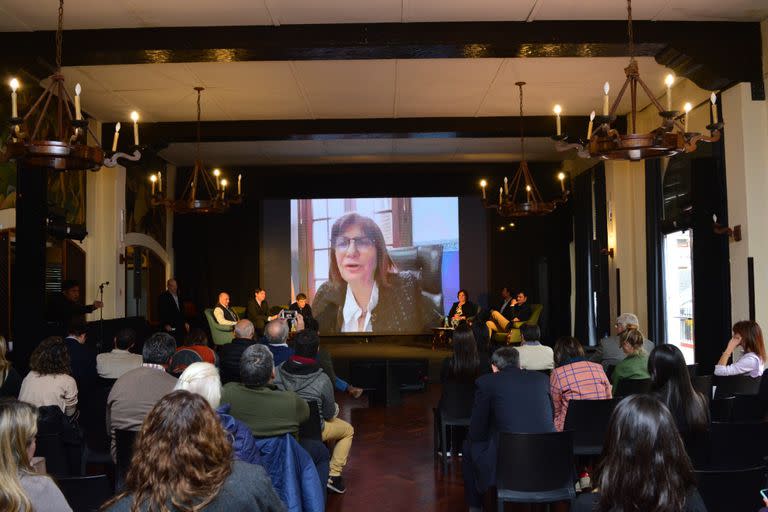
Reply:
x=204 y=192
x=64 y=146
x=522 y=181
x=670 y=138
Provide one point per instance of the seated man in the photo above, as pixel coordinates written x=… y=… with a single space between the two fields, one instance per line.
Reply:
x=137 y=391
x=499 y=320
x=258 y=310
x=609 y=352
x=112 y=365
x=222 y=313
x=534 y=355
x=276 y=337
x=82 y=358
x=194 y=350
x=305 y=310
x=231 y=353
x=302 y=374
x=527 y=409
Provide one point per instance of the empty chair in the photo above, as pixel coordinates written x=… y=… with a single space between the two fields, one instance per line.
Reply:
x=703 y=384
x=588 y=420
x=535 y=468
x=736 y=384
x=124 y=440
x=627 y=387
x=735 y=489
x=721 y=409
x=737 y=445
x=747 y=408
x=444 y=426
x=85 y=493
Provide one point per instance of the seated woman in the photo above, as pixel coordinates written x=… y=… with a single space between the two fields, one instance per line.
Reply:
x=183 y=460
x=10 y=380
x=671 y=383
x=22 y=489
x=575 y=378
x=463 y=309
x=458 y=374
x=50 y=381
x=644 y=464
x=365 y=292
x=747 y=335
x=635 y=365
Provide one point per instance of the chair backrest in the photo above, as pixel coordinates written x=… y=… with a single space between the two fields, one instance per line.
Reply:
x=747 y=408
x=732 y=489
x=534 y=462
x=124 y=441
x=426 y=263
x=220 y=334
x=536 y=310
x=721 y=409
x=629 y=387
x=703 y=384
x=85 y=493
x=692 y=369
x=310 y=429
x=52 y=448
x=588 y=419
x=736 y=384
x=737 y=445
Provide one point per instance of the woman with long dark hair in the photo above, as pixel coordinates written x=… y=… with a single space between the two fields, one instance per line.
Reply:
x=671 y=383
x=747 y=335
x=644 y=465
x=182 y=461
x=459 y=372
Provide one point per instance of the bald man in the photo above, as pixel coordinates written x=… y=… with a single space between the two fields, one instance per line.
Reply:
x=171 y=312
x=222 y=313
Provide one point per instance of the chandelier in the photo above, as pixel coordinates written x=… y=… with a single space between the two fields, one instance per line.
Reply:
x=670 y=138
x=522 y=181
x=204 y=192
x=64 y=145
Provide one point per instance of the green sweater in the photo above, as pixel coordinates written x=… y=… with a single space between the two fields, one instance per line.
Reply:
x=267 y=411
x=634 y=366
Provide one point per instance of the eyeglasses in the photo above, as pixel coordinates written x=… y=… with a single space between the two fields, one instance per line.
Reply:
x=341 y=243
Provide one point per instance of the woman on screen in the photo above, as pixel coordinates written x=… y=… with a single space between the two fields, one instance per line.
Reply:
x=365 y=292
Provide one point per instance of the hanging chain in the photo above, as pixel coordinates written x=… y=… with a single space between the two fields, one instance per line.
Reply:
x=199 y=90
x=59 y=33
x=522 y=131
x=630 y=32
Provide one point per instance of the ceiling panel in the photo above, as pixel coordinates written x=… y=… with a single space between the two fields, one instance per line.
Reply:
x=336 y=89
x=193 y=13
x=339 y=147
x=335 y=11
x=223 y=154
x=461 y=10
x=78 y=14
x=730 y=10
x=599 y=9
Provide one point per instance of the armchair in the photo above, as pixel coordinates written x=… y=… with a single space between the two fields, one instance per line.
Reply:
x=426 y=262
x=513 y=336
x=220 y=334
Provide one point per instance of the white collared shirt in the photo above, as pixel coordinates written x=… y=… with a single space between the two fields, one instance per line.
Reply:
x=352 y=312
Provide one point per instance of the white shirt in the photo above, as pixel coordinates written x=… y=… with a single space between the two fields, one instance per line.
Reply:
x=352 y=312
x=535 y=356
x=112 y=365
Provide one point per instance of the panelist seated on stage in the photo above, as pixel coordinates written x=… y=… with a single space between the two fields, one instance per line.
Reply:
x=65 y=307
x=305 y=310
x=258 y=310
x=463 y=309
x=512 y=310
x=222 y=313
x=365 y=292
x=171 y=312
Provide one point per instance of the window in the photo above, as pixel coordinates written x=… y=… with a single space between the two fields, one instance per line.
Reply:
x=678 y=291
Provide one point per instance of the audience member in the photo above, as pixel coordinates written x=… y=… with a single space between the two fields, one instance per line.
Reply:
x=644 y=464
x=749 y=337
x=81 y=358
x=194 y=350
x=230 y=354
x=671 y=383
x=113 y=364
x=635 y=365
x=534 y=355
x=10 y=380
x=21 y=489
x=462 y=309
x=575 y=378
x=305 y=310
x=508 y=400
x=222 y=313
x=276 y=337
x=49 y=382
x=183 y=461
x=138 y=390
x=458 y=374
x=609 y=352
x=258 y=310
x=170 y=310
x=302 y=374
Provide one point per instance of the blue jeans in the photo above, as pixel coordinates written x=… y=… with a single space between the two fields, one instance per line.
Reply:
x=341 y=384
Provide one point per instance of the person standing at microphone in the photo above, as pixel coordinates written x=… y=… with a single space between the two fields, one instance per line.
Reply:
x=65 y=307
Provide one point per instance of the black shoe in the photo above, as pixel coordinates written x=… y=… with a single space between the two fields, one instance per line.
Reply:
x=336 y=484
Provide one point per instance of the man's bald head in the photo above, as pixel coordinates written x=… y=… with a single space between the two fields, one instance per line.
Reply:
x=276 y=332
x=244 y=329
x=172 y=286
x=224 y=299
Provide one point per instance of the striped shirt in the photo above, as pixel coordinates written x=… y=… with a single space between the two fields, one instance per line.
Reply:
x=579 y=380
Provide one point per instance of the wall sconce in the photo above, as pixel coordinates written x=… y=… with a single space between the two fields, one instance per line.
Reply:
x=608 y=252
x=719 y=229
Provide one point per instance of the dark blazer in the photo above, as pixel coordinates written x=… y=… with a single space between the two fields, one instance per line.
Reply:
x=469 y=309
x=229 y=359
x=520 y=311
x=306 y=313
x=169 y=313
x=258 y=314
x=402 y=308
x=62 y=311
x=82 y=363
x=511 y=400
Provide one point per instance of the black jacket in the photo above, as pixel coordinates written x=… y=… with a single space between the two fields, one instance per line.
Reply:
x=229 y=359
x=306 y=313
x=469 y=310
x=258 y=314
x=520 y=311
x=169 y=313
x=402 y=309
x=63 y=311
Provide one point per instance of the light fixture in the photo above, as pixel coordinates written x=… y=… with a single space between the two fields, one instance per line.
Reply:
x=670 y=138
x=58 y=138
x=204 y=192
x=508 y=204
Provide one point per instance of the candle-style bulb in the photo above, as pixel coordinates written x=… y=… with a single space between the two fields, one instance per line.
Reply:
x=153 y=178
x=78 y=89
x=224 y=183
x=561 y=176
x=592 y=116
x=713 y=98
x=527 y=188
x=135 y=116
x=669 y=80
x=606 y=88
x=14 y=84
x=217 y=172
x=117 y=127
x=557 y=110
x=687 y=107
x=483 y=183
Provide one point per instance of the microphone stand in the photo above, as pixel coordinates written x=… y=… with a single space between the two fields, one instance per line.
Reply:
x=101 y=317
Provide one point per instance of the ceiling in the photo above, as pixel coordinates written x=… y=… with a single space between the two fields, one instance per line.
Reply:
x=27 y=15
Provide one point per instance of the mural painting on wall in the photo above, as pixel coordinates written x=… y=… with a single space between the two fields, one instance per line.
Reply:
x=140 y=216
x=66 y=190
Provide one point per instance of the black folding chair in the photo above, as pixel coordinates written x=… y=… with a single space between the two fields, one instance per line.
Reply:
x=721 y=409
x=732 y=489
x=52 y=448
x=124 y=441
x=737 y=445
x=535 y=468
x=310 y=429
x=444 y=426
x=85 y=493
x=588 y=420
x=629 y=387
x=736 y=385
x=747 y=408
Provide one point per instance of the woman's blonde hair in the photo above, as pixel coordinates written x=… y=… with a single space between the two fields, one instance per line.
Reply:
x=203 y=379
x=5 y=364
x=18 y=427
x=634 y=338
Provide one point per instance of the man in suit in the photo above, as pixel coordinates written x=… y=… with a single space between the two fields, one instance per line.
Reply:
x=499 y=318
x=258 y=310
x=496 y=409
x=82 y=359
x=516 y=310
x=230 y=354
x=65 y=307
x=609 y=352
x=170 y=311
